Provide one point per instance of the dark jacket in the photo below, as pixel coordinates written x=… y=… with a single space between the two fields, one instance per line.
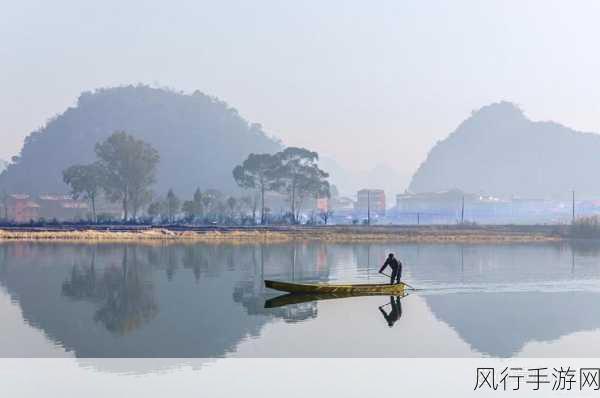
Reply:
x=393 y=263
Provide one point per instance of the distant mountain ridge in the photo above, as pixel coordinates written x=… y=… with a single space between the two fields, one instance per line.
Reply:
x=200 y=139
x=381 y=176
x=499 y=151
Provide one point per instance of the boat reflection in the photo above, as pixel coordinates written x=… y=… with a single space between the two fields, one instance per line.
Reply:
x=291 y=299
x=251 y=298
x=297 y=298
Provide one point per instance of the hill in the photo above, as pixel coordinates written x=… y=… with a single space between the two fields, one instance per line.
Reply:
x=501 y=152
x=200 y=139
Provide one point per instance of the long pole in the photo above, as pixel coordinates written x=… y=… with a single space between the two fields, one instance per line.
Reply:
x=462 y=211
x=404 y=283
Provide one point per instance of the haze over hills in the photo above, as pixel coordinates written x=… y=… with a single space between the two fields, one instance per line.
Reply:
x=496 y=151
x=200 y=139
x=499 y=151
x=381 y=176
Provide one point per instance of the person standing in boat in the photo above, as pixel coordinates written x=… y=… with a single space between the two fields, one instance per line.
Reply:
x=396 y=267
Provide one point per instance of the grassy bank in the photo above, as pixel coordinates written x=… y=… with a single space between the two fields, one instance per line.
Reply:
x=424 y=234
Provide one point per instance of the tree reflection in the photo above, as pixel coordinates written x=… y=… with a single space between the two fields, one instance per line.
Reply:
x=585 y=248
x=125 y=298
x=196 y=259
x=82 y=283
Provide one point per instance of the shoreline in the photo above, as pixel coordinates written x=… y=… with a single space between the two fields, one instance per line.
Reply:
x=276 y=234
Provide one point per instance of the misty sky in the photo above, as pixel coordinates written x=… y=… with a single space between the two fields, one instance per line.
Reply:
x=364 y=82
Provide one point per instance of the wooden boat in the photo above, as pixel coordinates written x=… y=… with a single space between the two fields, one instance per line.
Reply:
x=346 y=289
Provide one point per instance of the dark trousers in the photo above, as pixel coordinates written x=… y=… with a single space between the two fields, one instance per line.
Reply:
x=395 y=278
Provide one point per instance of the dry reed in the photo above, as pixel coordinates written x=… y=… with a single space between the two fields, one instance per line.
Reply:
x=161 y=235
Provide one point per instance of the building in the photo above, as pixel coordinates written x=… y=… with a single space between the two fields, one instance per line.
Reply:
x=21 y=208
x=370 y=201
x=449 y=207
x=62 y=207
x=343 y=204
x=322 y=204
x=442 y=203
x=445 y=207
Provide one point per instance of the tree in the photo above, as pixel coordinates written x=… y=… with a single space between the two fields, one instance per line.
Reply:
x=212 y=200
x=130 y=169
x=157 y=209
x=232 y=204
x=257 y=172
x=173 y=204
x=187 y=207
x=300 y=177
x=248 y=203
x=192 y=132
x=194 y=209
x=4 y=200
x=219 y=205
x=325 y=215
x=86 y=182
x=314 y=184
x=207 y=201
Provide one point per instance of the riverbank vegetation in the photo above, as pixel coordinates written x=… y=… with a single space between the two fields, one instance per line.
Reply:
x=125 y=171
x=340 y=234
x=586 y=228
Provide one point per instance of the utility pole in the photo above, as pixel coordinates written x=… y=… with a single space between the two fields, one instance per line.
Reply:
x=573 y=207
x=462 y=211
x=368 y=207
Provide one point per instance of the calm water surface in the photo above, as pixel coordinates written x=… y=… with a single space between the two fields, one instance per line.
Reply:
x=208 y=301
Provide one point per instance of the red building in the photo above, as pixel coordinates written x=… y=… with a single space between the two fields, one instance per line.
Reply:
x=371 y=200
x=22 y=208
x=322 y=204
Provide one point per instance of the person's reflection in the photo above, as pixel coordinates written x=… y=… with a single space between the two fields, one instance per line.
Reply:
x=395 y=311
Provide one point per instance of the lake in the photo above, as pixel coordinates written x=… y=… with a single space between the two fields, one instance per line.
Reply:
x=208 y=301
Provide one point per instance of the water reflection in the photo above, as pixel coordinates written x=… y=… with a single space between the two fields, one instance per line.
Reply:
x=124 y=295
x=209 y=300
x=395 y=311
x=500 y=324
x=292 y=301
x=251 y=298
